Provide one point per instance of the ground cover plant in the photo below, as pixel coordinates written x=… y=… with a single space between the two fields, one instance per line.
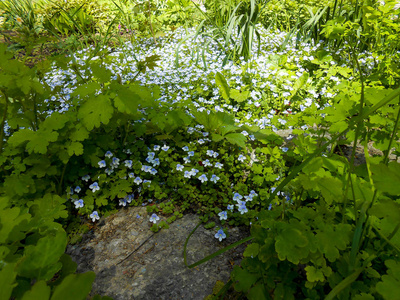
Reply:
x=242 y=123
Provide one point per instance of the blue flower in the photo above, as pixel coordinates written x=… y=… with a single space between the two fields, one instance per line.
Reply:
x=203 y=178
x=109 y=171
x=230 y=207
x=237 y=197
x=179 y=167
x=187 y=174
x=156 y=162
x=253 y=193
x=131 y=175
x=146 y=181
x=191 y=153
x=86 y=178
x=214 y=178
x=138 y=180
x=128 y=163
x=201 y=141
x=137 y=216
x=78 y=203
x=156 y=147
x=186 y=159
x=102 y=163
x=194 y=171
x=94 y=216
x=149 y=160
x=108 y=154
x=223 y=215
x=219 y=165
x=154 y=218
x=94 y=187
x=146 y=168
x=215 y=154
x=165 y=148
x=151 y=154
x=186 y=148
x=248 y=198
x=153 y=171
x=77 y=189
x=285 y=149
x=122 y=202
x=190 y=130
x=115 y=162
x=205 y=134
x=220 y=235
x=210 y=153
x=242 y=207
x=207 y=163
x=241 y=158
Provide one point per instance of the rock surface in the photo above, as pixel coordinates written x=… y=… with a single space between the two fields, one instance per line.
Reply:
x=132 y=262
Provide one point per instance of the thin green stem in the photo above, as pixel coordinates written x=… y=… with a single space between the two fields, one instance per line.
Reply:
x=3 y=121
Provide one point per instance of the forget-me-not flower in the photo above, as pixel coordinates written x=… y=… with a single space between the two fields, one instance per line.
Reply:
x=207 y=163
x=94 y=216
x=128 y=163
x=237 y=197
x=242 y=207
x=203 y=178
x=94 y=187
x=122 y=202
x=78 y=203
x=109 y=171
x=214 y=178
x=131 y=175
x=191 y=153
x=285 y=149
x=210 y=153
x=223 y=215
x=186 y=159
x=115 y=161
x=156 y=162
x=153 y=171
x=220 y=235
x=154 y=218
x=201 y=141
x=218 y=165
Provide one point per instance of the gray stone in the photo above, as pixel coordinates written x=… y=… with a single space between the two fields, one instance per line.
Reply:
x=132 y=262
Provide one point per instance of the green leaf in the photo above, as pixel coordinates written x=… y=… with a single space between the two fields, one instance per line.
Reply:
x=7 y=280
x=223 y=86
x=258 y=292
x=86 y=89
x=74 y=287
x=387 y=178
x=291 y=242
x=252 y=250
x=95 y=111
x=314 y=274
x=75 y=148
x=48 y=208
x=216 y=137
x=103 y=74
x=40 y=261
x=239 y=96
x=244 y=278
x=9 y=219
x=236 y=138
x=389 y=287
x=39 y=291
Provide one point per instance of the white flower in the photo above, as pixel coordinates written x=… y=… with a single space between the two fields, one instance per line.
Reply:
x=94 y=216
x=203 y=178
x=218 y=165
x=179 y=167
x=78 y=203
x=165 y=148
x=214 y=178
x=241 y=158
x=138 y=180
x=154 y=218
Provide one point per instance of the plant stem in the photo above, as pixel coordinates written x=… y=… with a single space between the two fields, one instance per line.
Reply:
x=3 y=122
